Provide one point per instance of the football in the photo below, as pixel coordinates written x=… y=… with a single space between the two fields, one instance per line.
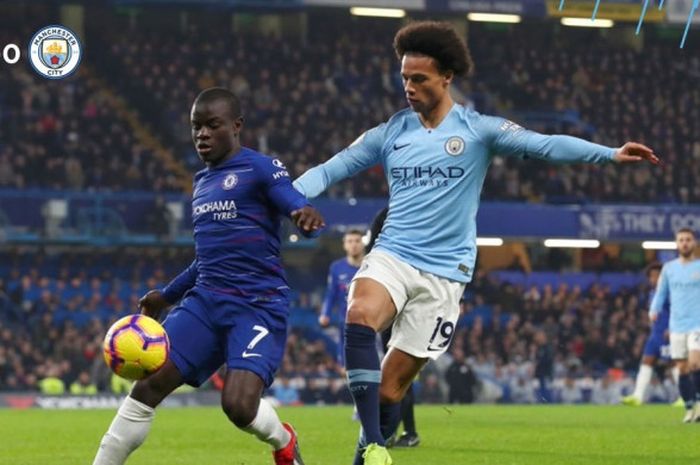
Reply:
x=135 y=347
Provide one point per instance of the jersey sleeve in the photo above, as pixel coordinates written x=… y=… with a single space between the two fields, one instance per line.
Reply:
x=505 y=137
x=181 y=284
x=331 y=291
x=365 y=152
x=278 y=186
x=661 y=294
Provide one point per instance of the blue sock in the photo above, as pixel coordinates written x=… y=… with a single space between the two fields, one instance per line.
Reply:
x=389 y=418
x=364 y=376
x=361 y=444
x=696 y=382
x=687 y=390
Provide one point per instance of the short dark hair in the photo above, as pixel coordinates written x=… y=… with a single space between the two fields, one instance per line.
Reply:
x=353 y=232
x=438 y=40
x=686 y=230
x=653 y=266
x=214 y=94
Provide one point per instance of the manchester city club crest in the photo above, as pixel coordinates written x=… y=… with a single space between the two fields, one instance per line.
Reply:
x=454 y=146
x=230 y=181
x=55 y=52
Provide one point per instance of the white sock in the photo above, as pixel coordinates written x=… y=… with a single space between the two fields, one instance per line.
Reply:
x=676 y=373
x=643 y=380
x=267 y=427
x=127 y=432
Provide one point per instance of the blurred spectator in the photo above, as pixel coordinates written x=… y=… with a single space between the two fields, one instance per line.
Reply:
x=431 y=392
x=83 y=385
x=284 y=393
x=570 y=393
x=52 y=384
x=460 y=379
x=544 y=366
x=605 y=391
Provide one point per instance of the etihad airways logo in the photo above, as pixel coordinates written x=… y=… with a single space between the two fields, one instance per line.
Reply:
x=431 y=176
x=222 y=209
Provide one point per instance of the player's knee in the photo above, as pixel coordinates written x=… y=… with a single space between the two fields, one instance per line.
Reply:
x=390 y=394
x=360 y=313
x=240 y=413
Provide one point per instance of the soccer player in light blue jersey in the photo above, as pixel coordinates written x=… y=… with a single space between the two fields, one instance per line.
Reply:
x=435 y=155
x=680 y=283
x=657 y=347
x=340 y=275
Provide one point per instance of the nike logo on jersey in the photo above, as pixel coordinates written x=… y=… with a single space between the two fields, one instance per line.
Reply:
x=247 y=354
x=399 y=147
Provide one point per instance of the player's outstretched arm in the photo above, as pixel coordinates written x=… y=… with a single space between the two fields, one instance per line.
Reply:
x=507 y=138
x=364 y=152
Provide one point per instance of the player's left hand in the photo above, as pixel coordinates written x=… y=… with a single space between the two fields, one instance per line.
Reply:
x=633 y=152
x=308 y=219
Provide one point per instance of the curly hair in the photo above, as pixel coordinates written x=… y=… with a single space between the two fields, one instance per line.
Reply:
x=438 y=40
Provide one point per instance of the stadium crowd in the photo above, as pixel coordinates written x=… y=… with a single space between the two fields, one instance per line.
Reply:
x=55 y=312
x=305 y=100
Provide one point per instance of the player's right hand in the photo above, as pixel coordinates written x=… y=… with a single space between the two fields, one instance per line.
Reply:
x=308 y=220
x=324 y=321
x=153 y=304
x=653 y=317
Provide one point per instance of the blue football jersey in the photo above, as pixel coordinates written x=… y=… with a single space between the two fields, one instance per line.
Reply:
x=679 y=283
x=435 y=178
x=237 y=208
x=340 y=275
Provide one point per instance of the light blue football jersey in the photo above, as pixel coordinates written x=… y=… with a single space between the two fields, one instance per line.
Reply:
x=435 y=178
x=679 y=282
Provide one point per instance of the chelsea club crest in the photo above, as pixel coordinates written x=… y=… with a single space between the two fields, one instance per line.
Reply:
x=230 y=182
x=55 y=52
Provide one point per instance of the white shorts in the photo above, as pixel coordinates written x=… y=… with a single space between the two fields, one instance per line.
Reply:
x=682 y=343
x=427 y=305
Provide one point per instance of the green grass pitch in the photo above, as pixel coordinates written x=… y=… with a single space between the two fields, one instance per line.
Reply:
x=522 y=435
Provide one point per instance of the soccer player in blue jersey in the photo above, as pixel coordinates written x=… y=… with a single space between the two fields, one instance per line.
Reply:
x=340 y=274
x=435 y=155
x=680 y=283
x=232 y=302
x=657 y=347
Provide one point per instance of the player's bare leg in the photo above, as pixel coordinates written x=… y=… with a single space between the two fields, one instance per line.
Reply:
x=399 y=369
x=134 y=417
x=243 y=404
x=370 y=309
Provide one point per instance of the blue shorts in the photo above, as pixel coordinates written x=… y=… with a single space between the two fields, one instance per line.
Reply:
x=657 y=346
x=208 y=329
